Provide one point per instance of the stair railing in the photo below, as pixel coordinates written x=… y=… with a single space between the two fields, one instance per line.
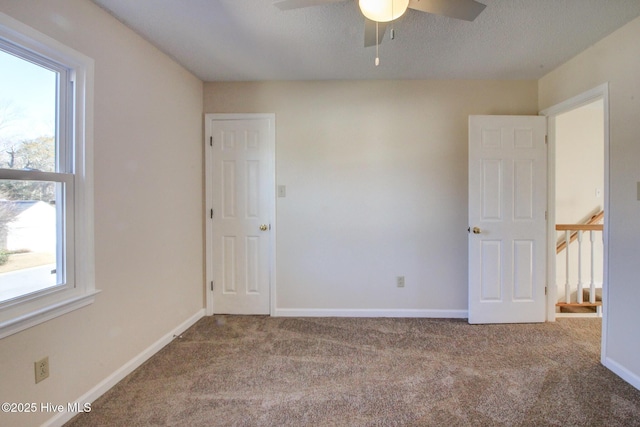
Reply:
x=595 y=219
x=575 y=232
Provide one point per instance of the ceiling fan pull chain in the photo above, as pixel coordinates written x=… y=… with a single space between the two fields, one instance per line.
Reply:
x=392 y=31
x=377 y=62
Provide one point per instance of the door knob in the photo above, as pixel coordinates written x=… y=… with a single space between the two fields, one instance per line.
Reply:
x=476 y=230
x=264 y=227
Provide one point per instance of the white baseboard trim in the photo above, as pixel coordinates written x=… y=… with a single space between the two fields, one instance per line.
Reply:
x=622 y=372
x=102 y=387
x=329 y=312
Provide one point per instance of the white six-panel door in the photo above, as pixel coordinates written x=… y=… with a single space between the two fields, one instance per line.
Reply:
x=507 y=205
x=241 y=192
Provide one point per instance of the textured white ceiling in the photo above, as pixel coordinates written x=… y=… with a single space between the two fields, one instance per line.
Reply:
x=248 y=40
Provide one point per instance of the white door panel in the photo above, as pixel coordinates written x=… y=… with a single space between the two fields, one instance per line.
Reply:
x=242 y=187
x=507 y=203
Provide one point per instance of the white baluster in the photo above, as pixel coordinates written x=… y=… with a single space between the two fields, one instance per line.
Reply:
x=592 y=293
x=579 y=267
x=567 y=283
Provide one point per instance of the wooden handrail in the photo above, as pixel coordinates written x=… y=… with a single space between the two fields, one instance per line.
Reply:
x=589 y=225
x=579 y=227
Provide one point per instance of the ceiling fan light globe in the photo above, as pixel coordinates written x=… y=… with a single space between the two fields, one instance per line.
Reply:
x=383 y=10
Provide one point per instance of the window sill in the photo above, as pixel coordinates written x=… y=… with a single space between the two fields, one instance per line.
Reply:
x=44 y=314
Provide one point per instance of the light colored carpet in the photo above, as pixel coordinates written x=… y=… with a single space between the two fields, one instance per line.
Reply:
x=262 y=371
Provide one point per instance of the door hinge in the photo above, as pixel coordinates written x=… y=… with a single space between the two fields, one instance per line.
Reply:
x=546 y=215
x=211 y=141
x=546 y=139
x=211 y=213
x=545 y=290
x=212 y=285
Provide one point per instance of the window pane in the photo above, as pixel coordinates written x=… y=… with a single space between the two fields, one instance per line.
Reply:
x=28 y=237
x=27 y=115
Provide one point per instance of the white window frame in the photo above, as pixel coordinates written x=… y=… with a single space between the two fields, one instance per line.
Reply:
x=75 y=154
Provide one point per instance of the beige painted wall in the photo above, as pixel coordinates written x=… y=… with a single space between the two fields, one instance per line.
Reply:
x=614 y=60
x=376 y=176
x=579 y=163
x=148 y=211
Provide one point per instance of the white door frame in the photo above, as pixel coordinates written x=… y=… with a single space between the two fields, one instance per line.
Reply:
x=208 y=133
x=598 y=93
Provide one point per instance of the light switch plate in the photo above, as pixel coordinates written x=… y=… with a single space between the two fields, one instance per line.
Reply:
x=282 y=191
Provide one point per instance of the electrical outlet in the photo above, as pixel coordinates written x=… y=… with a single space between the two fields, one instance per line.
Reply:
x=42 y=369
x=400 y=281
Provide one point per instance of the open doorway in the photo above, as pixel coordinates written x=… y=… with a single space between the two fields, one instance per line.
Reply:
x=596 y=103
x=579 y=209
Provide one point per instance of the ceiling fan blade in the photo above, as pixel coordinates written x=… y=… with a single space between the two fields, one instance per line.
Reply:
x=299 y=4
x=459 y=9
x=370 y=32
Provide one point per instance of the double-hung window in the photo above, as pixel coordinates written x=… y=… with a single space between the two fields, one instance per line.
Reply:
x=46 y=215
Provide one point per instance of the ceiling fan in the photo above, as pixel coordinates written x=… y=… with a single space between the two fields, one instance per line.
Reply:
x=378 y=13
